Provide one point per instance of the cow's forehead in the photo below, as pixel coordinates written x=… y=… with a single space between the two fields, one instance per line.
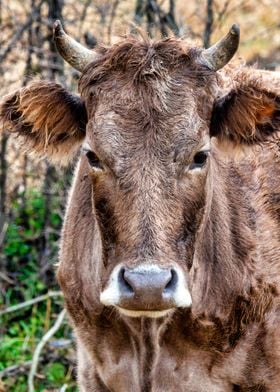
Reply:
x=129 y=131
x=162 y=77
x=169 y=117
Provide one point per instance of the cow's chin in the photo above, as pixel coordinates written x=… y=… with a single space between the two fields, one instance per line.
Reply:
x=145 y=313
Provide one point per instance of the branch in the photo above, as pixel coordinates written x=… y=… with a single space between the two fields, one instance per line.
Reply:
x=222 y=13
x=3 y=233
x=83 y=17
x=14 y=369
x=139 y=11
x=21 y=368
x=170 y=18
x=39 y=348
x=31 y=302
x=19 y=32
x=208 y=25
x=112 y=16
x=6 y=278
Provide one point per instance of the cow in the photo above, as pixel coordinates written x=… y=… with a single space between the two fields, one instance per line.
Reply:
x=169 y=259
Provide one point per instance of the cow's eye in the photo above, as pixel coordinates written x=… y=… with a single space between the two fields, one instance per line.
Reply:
x=199 y=160
x=93 y=160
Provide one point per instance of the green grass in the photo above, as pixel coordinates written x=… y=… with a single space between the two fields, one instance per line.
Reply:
x=21 y=330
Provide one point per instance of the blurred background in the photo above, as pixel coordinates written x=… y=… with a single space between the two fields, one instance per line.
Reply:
x=36 y=342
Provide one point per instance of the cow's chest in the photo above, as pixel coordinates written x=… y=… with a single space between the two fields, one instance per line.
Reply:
x=154 y=359
x=142 y=367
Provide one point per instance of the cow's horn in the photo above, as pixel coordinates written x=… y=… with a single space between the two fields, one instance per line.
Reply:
x=218 y=55
x=73 y=53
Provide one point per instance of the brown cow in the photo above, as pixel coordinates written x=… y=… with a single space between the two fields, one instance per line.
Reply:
x=169 y=260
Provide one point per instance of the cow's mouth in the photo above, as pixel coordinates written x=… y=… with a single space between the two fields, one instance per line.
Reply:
x=144 y=313
x=146 y=291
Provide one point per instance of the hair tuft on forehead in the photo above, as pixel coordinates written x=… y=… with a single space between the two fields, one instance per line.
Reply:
x=139 y=59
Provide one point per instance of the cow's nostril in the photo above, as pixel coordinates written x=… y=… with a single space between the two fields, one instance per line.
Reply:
x=150 y=288
x=172 y=283
x=148 y=283
x=125 y=287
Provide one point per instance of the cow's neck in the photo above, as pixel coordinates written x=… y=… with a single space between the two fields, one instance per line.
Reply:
x=224 y=277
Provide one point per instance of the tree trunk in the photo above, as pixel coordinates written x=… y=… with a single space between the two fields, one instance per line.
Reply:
x=3 y=179
x=208 y=24
x=55 y=12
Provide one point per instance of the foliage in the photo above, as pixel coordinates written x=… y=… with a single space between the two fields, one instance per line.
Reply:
x=23 y=243
x=22 y=330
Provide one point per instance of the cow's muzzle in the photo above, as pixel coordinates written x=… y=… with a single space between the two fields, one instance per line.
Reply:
x=146 y=290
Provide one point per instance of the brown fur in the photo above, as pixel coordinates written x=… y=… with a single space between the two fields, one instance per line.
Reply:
x=50 y=120
x=151 y=108
x=246 y=115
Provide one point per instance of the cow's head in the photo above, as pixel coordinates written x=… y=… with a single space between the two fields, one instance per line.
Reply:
x=145 y=119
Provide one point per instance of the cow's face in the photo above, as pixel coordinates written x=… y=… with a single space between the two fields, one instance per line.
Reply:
x=148 y=158
x=145 y=119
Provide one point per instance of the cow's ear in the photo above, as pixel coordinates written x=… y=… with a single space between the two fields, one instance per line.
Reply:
x=48 y=119
x=245 y=116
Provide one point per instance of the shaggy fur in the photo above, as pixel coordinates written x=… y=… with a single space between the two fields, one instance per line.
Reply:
x=151 y=108
x=47 y=118
x=246 y=115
